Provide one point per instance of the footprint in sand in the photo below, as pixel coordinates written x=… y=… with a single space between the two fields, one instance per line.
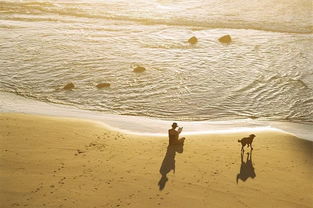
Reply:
x=61 y=166
x=38 y=188
x=62 y=181
x=80 y=151
x=95 y=145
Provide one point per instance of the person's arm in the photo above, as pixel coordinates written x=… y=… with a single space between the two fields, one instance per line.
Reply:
x=180 y=129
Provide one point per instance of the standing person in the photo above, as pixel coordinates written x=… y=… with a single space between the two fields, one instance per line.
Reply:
x=173 y=135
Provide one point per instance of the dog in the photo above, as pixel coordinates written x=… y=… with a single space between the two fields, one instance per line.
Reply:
x=247 y=140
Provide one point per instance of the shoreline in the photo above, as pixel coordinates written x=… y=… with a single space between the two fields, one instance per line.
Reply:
x=67 y=162
x=12 y=103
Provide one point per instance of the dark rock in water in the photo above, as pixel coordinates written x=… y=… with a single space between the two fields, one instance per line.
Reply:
x=139 y=69
x=69 y=86
x=103 y=85
x=225 y=39
x=193 y=40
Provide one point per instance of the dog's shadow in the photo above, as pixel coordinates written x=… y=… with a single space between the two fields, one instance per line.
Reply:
x=168 y=163
x=246 y=168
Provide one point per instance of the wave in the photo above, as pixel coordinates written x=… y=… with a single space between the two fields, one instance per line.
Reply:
x=150 y=126
x=204 y=22
x=274 y=80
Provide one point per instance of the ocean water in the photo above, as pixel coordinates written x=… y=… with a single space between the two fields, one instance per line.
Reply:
x=264 y=74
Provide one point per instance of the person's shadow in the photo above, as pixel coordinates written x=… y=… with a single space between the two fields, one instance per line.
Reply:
x=246 y=168
x=168 y=163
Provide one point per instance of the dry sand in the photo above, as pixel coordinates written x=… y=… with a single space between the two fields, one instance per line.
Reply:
x=61 y=162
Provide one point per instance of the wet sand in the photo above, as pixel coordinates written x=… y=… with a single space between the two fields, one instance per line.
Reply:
x=62 y=162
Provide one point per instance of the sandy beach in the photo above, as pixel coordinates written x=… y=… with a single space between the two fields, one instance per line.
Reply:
x=89 y=90
x=63 y=162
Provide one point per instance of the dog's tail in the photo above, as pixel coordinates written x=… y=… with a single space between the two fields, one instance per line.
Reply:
x=239 y=140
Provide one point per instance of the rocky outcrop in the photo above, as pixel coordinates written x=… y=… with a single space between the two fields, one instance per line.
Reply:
x=139 y=69
x=225 y=39
x=69 y=86
x=193 y=40
x=103 y=85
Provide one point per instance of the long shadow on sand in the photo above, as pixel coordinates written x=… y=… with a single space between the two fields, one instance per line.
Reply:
x=168 y=163
x=246 y=168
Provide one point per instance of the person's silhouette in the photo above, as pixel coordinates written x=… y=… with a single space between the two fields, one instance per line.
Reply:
x=246 y=168
x=173 y=135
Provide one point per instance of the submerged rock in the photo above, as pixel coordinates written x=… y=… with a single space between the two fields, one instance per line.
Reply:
x=139 y=69
x=69 y=86
x=193 y=40
x=225 y=39
x=103 y=85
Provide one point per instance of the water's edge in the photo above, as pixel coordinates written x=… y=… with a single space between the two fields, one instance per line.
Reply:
x=10 y=102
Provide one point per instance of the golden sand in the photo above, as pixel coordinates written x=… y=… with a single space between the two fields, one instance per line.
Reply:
x=61 y=162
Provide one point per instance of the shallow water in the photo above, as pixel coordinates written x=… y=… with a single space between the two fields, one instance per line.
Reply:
x=265 y=73
x=11 y=103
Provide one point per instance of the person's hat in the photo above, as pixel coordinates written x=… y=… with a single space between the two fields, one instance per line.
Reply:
x=174 y=124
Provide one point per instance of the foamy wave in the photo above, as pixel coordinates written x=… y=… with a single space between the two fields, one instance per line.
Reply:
x=150 y=126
